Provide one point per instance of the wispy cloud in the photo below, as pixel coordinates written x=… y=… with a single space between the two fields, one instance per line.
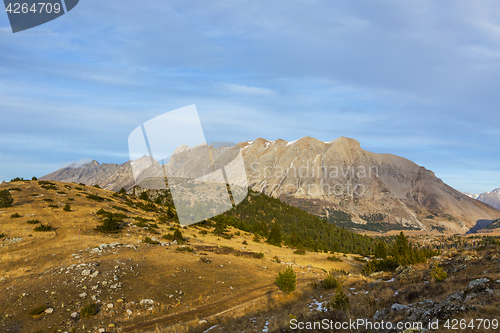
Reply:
x=418 y=79
x=242 y=89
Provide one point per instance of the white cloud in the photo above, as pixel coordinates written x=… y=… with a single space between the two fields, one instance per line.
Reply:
x=76 y=164
x=247 y=90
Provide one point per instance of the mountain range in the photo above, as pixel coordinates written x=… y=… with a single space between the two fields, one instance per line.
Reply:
x=491 y=198
x=337 y=180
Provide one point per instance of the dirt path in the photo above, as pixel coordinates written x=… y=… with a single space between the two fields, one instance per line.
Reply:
x=205 y=311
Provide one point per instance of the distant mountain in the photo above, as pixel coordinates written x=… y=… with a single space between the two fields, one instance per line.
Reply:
x=491 y=198
x=337 y=180
x=471 y=195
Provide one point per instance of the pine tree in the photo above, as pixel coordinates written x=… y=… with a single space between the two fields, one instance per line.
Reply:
x=275 y=237
x=6 y=199
x=380 y=250
x=401 y=250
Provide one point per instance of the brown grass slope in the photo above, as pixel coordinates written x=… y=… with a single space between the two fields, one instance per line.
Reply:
x=134 y=284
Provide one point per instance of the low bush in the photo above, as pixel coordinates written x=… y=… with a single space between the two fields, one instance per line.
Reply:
x=34 y=221
x=300 y=251
x=6 y=199
x=47 y=200
x=67 y=208
x=375 y=265
x=334 y=259
x=53 y=206
x=61 y=192
x=184 y=249
x=286 y=280
x=439 y=274
x=15 y=216
x=340 y=300
x=38 y=310
x=89 y=310
x=330 y=282
x=16 y=189
x=43 y=228
x=148 y=240
x=176 y=236
x=120 y=208
x=95 y=197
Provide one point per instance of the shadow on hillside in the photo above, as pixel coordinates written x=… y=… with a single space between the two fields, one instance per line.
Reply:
x=480 y=224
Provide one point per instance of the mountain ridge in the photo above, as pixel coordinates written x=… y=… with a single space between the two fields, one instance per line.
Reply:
x=327 y=177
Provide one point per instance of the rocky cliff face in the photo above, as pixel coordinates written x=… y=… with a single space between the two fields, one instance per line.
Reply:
x=327 y=177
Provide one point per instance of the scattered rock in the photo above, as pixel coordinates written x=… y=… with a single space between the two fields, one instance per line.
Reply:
x=129 y=312
x=74 y=315
x=110 y=305
x=478 y=285
x=83 y=295
x=398 y=307
x=49 y=310
x=203 y=322
x=86 y=272
x=147 y=302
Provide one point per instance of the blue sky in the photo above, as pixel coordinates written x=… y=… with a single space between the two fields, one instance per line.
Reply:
x=419 y=79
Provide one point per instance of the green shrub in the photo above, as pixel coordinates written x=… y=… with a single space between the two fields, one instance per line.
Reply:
x=34 y=178
x=120 y=208
x=95 y=197
x=43 y=228
x=184 y=249
x=110 y=224
x=47 y=185
x=53 y=206
x=45 y=182
x=17 y=179
x=79 y=188
x=2 y=235
x=47 y=200
x=256 y=238
x=67 y=208
x=380 y=250
x=176 y=236
x=375 y=265
x=122 y=191
x=439 y=274
x=96 y=186
x=340 y=300
x=38 y=310
x=61 y=192
x=144 y=196
x=16 y=189
x=6 y=199
x=15 y=216
x=286 y=280
x=300 y=251
x=89 y=310
x=330 y=282
x=33 y=221
x=148 y=240
x=71 y=199
x=334 y=259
